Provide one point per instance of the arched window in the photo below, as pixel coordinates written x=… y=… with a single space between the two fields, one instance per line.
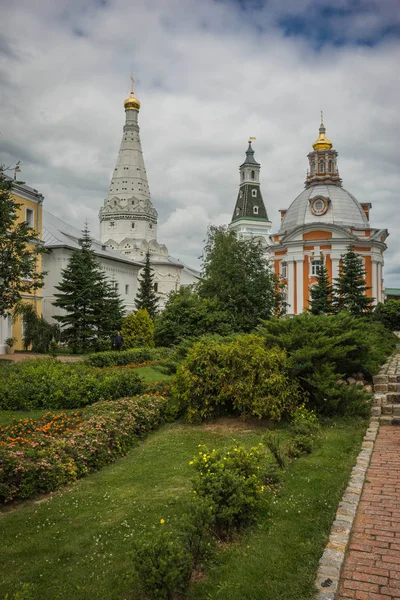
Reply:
x=254 y=193
x=253 y=175
x=255 y=210
x=330 y=166
x=321 y=166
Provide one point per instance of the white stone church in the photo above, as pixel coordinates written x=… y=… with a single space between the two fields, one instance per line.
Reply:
x=128 y=230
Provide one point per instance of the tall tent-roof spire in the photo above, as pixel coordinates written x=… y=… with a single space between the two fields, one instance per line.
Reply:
x=250 y=160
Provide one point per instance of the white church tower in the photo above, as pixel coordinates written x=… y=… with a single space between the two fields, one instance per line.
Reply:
x=128 y=219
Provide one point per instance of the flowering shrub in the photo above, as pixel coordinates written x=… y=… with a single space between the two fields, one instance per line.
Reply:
x=159 y=388
x=25 y=432
x=40 y=462
x=126 y=357
x=232 y=481
x=48 y=383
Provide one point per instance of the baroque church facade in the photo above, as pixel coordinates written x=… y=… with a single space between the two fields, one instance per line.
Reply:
x=316 y=229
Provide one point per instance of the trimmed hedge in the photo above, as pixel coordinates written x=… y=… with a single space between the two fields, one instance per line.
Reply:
x=126 y=357
x=37 y=462
x=48 y=383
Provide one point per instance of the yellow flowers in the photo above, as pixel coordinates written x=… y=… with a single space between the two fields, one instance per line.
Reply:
x=162 y=521
x=191 y=462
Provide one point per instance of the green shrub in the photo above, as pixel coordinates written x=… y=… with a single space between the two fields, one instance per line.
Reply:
x=162 y=564
x=48 y=383
x=273 y=442
x=126 y=357
x=241 y=376
x=306 y=429
x=232 y=481
x=388 y=314
x=138 y=330
x=326 y=348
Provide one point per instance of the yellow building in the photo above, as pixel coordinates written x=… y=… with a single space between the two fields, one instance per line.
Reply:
x=30 y=208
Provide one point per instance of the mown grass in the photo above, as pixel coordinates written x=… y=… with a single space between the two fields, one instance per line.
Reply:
x=78 y=544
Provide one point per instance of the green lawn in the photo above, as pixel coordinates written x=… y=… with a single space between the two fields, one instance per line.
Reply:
x=78 y=544
x=150 y=374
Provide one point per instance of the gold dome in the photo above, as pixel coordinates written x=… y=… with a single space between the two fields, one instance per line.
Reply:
x=322 y=143
x=132 y=103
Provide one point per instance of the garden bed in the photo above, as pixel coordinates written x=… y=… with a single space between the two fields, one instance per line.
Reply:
x=78 y=544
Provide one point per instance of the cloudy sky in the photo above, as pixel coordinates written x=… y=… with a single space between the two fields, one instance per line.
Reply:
x=209 y=74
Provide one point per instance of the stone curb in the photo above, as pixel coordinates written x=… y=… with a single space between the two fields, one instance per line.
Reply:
x=332 y=560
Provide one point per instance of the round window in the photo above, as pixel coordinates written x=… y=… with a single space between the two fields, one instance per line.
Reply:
x=319 y=206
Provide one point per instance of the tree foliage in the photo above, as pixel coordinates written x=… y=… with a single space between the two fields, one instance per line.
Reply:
x=19 y=251
x=350 y=287
x=138 y=330
x=186 y=315
x=235 y=273
x=38 y=333
x=388 y=314
x=92 y=308
x=146 y=297
x=321 y=293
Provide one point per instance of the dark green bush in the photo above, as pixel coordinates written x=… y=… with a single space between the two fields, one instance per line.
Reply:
x=306 y=429
x=126 y=357
x=324 y=349
x=162 y=564
x=242 y=377
x=48 y=383
x=388 y=314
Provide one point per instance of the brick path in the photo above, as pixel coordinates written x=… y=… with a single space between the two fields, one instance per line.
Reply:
x=371 y=569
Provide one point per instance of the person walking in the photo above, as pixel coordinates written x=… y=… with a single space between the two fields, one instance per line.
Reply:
x=118 y=341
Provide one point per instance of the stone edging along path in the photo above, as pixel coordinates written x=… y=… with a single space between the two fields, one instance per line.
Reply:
x=385 y=409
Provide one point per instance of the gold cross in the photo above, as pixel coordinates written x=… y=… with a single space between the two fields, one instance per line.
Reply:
x=133 y=81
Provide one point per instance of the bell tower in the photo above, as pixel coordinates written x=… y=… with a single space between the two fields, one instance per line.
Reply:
x=250 y=217
x=323 y=161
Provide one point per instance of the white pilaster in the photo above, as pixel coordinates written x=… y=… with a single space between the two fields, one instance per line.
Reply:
x=290 y=286
x=299 y=284
x=375 y=281
x=335 y=267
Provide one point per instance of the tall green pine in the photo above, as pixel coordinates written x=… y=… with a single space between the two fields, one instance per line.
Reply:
x=321 y=293
x=350 y=287
x=146 y=296
x=92 y=309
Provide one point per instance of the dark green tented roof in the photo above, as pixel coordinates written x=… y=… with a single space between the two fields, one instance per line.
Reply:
x=250 y=160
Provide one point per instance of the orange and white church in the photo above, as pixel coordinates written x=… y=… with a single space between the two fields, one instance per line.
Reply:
x=319 y=226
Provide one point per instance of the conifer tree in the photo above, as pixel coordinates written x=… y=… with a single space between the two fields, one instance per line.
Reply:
x=321 y=293
x=146 y=296
x=19 y=249
x=92 y=310
x=350 y=287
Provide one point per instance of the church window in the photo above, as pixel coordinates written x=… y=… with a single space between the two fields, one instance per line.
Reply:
x=253 y=175
x=237 y=211
x=316 y=267
x=133 y=224
x=156 y=287
x=126 y=290
x=254 y=193
x=127 y=246
x=321 y=166
x=29 y=217
x=283 y=270
x=255 y=210
x=330 y=166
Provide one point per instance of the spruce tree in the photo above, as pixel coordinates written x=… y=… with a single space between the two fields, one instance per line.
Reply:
x=146 y=296
x=19 y=249
x=321 y=293
x=92 y=311
x=350 y=287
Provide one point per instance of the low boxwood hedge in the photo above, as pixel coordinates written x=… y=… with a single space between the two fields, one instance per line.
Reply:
x=126 y=357
x=48 y=383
